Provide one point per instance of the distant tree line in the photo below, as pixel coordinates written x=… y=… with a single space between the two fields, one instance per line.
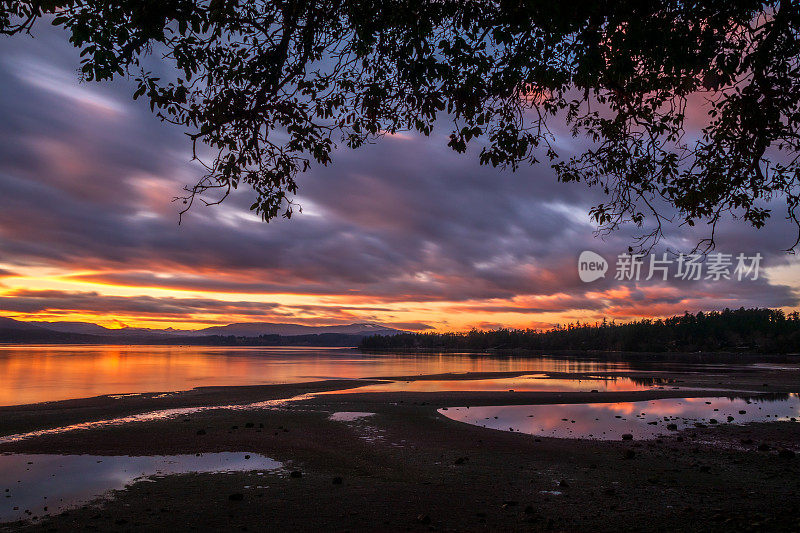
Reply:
x=740 y=330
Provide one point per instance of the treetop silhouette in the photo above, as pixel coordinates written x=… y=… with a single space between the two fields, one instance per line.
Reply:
x=688 y=109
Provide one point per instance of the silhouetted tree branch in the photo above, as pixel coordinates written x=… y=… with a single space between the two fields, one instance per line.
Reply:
x=270 y=87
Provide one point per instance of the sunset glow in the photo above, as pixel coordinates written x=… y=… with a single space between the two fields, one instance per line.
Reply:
x=405 y=232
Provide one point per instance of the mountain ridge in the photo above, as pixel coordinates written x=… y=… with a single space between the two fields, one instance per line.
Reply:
x=240 y=329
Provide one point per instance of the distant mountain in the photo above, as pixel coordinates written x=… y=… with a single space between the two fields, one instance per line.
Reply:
x=24 y=332
x=247 y=333
x=71 y=327
x=254 y=329
x=10 y=323
x=88 y=328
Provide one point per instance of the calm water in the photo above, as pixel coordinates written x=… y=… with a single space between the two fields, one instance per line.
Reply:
x=30 y=374
x=34 y=485
x=609 y=421
x=527 y=383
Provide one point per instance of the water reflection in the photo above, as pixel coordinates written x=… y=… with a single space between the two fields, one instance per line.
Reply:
x=36 y=485
x=527 y=383
x=642 y=420
x=30 y=374
x=150 y=416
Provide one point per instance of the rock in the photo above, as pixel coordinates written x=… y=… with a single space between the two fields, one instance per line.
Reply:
x=296 y=474
x=629 y=454
x=730 y=418
x=712 y=421
x=595 y=390
x=747 y=441
x=509 y=503
x=424 y=519
x=236 y=497
x=672 y=427
x=563 y=484
x=627 y=436
x=742 y=412
x=247 y=457
x=763 y=447
x=337 y=480
x=201 y=431
x=609 y=491
x=250 y=425
x=461 y=460
x=786 y=454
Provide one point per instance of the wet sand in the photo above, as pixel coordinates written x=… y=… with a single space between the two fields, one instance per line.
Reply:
x=407 y=467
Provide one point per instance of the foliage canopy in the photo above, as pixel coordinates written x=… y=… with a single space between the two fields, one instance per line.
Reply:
x=690 y=108
x=740 y=330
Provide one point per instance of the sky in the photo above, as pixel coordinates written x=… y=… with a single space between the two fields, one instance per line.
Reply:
x=404 y=232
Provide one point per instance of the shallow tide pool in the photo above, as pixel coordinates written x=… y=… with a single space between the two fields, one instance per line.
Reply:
x=643 y=420
x=33 y=485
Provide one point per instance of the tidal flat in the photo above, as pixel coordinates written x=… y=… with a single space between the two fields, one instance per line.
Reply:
x=389 y=458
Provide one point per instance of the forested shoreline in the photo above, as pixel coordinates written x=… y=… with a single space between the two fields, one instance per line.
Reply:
x=766 y=331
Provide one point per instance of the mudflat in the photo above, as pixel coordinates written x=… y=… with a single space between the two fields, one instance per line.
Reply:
x=407 y=467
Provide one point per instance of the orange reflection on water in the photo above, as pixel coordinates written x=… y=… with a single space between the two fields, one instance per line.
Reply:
x=528 y=383
x=38 y=373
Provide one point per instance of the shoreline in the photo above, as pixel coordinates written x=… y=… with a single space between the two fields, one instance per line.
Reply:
x=408 y=467
x=25 y=418
x=611 y=356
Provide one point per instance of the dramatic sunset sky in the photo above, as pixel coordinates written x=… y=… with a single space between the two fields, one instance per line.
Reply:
x=405 y=232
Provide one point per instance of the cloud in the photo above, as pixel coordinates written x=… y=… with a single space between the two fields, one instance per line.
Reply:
x=412 y=326
x=50 y=301
x=389 y=229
